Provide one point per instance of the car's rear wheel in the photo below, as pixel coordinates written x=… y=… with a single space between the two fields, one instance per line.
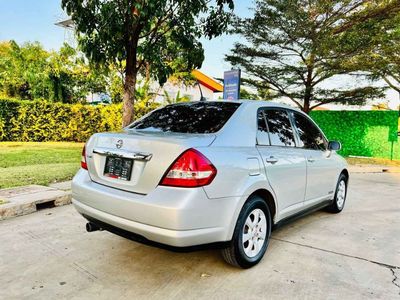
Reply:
x=340 y=195
x=251 y=236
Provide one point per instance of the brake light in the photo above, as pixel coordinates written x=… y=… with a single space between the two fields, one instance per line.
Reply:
x=83 y=159
x=190 y=169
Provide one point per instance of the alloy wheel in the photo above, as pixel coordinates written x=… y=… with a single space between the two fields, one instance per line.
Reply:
x=341 y=194
x=254 y=232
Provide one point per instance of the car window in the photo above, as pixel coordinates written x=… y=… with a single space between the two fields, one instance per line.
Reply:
x=310 y=136
x=279 y=128
x=188 y=117
x=262 y=131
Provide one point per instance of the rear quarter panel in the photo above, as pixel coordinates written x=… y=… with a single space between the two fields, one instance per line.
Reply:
x=238 y=169
x=240 y=172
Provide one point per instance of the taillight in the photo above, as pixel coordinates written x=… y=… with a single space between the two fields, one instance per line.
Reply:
x=83 y=159
x=190 y=169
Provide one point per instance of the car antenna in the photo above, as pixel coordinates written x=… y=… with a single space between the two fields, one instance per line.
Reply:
x=201 y=93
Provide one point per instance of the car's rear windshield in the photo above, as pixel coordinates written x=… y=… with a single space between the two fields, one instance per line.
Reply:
x=188 y=117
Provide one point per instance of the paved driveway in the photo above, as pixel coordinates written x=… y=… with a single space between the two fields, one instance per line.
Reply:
x=353 y=255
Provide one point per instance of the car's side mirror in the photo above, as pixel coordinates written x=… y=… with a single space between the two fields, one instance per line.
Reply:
x=334 y=145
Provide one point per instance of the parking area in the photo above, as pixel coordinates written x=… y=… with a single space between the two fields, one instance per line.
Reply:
x=352 y=255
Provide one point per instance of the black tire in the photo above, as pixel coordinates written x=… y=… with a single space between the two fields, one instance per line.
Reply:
x=334 y=207
x=234 y=253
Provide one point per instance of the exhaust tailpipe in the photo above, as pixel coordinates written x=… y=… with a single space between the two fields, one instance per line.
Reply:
x=90 y=227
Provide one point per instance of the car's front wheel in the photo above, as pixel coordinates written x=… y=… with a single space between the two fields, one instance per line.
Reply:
x=340 y=195
x=251 y=236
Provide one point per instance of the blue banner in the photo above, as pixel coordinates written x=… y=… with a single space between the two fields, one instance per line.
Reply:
x=232 y=85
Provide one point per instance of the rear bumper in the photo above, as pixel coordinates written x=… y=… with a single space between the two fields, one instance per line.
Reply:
x=175 y=238
x=176 y=217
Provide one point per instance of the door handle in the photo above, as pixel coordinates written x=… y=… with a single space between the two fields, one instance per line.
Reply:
x=271 y=160
x=310 y=159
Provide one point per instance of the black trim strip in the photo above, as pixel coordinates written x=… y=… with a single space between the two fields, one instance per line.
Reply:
x=302 y=213
x=141 y=239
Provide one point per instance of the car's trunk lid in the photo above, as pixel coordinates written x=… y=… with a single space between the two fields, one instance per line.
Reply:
x=151 y=153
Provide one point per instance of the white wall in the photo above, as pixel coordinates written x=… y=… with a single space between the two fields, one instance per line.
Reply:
x=193 y=92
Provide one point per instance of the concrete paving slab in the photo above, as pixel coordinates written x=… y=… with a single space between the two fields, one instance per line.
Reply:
x=352 y=255
x=371 y=217
x=25 y=200
x=65 y=185
x=373 y=169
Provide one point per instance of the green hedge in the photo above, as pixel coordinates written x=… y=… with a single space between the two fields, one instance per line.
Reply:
x=362 y=133
x=39 y=121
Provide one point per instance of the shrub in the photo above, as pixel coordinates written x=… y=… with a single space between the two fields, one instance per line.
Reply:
x=362 y=133
x=38 y=121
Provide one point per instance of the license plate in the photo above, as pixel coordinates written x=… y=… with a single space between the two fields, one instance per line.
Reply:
x=118 y=167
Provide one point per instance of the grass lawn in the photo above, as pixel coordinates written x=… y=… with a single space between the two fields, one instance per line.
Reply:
x=38 y=163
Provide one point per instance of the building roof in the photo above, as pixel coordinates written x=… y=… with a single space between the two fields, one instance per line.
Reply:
x=207 y=81
x=68 y=24
x=321 y=108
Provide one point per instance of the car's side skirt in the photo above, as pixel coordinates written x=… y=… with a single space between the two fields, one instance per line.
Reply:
x=302 y=213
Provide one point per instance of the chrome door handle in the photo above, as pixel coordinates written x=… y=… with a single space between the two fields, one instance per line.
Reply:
x=310 y=159
x=271 y=160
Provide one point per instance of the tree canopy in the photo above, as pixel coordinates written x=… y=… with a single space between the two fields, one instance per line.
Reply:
x=381 y=60
x=297 y=48
x=154 y=38
x=28 y=71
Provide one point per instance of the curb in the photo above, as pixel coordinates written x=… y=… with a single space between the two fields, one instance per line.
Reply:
x=24 y=200
x=373 y=169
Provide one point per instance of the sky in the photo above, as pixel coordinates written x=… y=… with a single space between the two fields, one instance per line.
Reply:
x=34 y=20
x=27 y=20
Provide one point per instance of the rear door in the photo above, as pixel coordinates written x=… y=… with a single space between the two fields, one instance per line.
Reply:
x=321 y=167
x=285 y=165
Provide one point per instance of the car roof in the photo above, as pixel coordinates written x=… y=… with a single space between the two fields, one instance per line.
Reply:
x=258 y=103
x=243 y=102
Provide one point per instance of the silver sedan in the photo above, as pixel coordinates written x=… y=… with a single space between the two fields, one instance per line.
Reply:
x=215 y=172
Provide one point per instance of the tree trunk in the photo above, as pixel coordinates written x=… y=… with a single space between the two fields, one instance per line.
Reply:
x=308 y=88
x=306 y=106
x=307 y=97
x=130 y=83
x=129 y=98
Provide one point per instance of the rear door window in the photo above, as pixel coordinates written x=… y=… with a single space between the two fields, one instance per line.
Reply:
x=189 y=117
x=279 y=128
x=262 y=131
